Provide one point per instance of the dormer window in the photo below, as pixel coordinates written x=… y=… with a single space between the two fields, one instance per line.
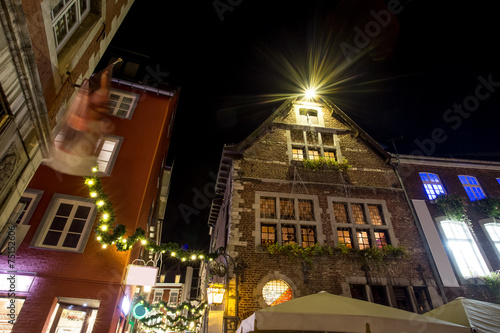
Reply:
x=308 y=116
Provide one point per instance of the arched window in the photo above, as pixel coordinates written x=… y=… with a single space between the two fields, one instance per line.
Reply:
x=276 y=292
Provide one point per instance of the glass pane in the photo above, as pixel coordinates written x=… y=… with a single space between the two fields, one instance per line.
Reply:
x=57 y=8
x=83 y=6
x=71 y=16
x=314 y=154
x=77 y=226
x=344 y=236
x=82 y=212
x=306 y=211
x=297 y=154
x=493 y=230
x=381 y=238
x=340 y=212
x=424 y=177
x=71 y=321
x=268 y=234
x=71 y=240
x=58 y=223
x=308 y=236
x=363 y=240
x=64 y=209
x=52 y=238
x=376 y=214
x=358 y=214
x=379 y=295
x=288 y=234
x=287 y=209
x=276 y=292
x=268 y=208
x=402 y=299
x=330 y=155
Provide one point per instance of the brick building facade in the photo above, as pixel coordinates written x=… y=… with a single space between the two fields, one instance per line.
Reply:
x=59 y=257
x=461 y=253
x=266 y=195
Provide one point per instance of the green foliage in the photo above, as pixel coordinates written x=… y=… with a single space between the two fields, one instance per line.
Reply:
x=489 y=207
x=177 y=322
x=492 y=281
x=322 y=163
x=453 y=206
x=373 y=254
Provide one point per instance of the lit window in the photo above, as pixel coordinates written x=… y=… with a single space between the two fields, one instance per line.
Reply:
x=462 y=246
x=306 y=211
x=122 y=103
x=158 y=295
x=73 y=318
x=66 y=16
x=312 y=145
x=340 y=212
x=313 y=154
x=281 y=223
x=493 y=231
x=363 y=240
x=308 y=116
x=432 y=185
x=329 y=155
x=5 y=312
x=498 y=180
x=276 y=292
x=297 y=154
x=371 y=227
x=375 y=214
x=288 y=234
x=108 y=152
x=472 y=187
x=422 y=299
x=358 y=213
x=286 y=209
x=268 y=234
x=381 y=238
x=268 y=208
x=344 y=236
x=66 y=225
x=173 y=297
x=308 y=235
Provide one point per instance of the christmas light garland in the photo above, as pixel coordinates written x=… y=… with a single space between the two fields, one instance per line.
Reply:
x=176 y=320
x=109 y=232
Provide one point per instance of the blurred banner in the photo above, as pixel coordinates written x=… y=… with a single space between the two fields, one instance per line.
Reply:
x=76 y=146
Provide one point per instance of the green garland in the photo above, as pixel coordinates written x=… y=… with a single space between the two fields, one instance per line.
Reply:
x=453 y=206
x=372 y=254
x=109 y=232
x=492 y=281
x=177 y=323
x=322 y=162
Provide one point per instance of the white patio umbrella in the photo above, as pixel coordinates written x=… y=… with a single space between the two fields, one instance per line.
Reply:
x=484 y=317
x=324 y=312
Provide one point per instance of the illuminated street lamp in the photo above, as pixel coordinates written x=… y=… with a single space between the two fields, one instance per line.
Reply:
x=310 y=93
x=215 y=294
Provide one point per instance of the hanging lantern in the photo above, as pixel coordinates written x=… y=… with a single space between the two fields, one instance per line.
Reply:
x=215 y=294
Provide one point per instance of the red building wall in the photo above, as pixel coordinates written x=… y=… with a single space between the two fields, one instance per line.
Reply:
x=97 y=273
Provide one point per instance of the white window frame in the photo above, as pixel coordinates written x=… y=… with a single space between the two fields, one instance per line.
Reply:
x=303 y=120
x=470 y=187
x=49 y=215
x=158 y=295
x=296 y=223
x=106 y=156
x=121 y=94
x=456 y=251
x=494 y=239
x=432 y=188
x=67 y=4
x=353 y=227
x=171 y=295
x=28 y=210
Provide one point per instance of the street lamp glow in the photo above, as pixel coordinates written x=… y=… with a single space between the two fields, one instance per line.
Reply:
x=310 y=93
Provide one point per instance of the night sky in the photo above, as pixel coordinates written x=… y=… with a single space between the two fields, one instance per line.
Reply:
x=427 y=68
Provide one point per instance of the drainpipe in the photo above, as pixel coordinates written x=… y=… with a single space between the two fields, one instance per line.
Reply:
x=421 y=234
